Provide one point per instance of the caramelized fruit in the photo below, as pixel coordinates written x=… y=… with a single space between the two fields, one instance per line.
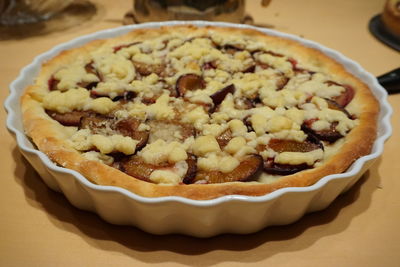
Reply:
x=72 y=118
x=247 y=169
x=189 y=82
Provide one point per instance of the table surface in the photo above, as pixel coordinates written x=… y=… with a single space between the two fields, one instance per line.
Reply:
x=40 y=228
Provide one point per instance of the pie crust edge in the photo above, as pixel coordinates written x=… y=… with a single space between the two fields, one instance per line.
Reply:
x=49 y=137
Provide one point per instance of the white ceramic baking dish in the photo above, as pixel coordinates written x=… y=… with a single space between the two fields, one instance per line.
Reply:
x=164 y=215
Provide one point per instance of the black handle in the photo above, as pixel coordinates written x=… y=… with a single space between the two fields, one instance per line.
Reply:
x=391 y=81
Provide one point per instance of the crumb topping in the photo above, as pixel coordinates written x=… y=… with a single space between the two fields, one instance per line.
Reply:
x=199 y=109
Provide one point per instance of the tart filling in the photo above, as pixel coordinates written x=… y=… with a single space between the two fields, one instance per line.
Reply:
x=173 y=110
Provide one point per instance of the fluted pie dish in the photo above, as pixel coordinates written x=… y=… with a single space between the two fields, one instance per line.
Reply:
x=198 y=128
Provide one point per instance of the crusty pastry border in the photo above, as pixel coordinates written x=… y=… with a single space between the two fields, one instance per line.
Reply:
x=49 y=137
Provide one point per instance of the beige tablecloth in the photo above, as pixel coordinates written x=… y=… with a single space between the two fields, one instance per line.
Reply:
x=38 y=227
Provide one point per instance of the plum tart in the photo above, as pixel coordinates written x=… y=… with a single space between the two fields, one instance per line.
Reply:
x=199 y=112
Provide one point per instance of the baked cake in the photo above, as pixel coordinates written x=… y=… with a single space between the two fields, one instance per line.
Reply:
x=199 y=112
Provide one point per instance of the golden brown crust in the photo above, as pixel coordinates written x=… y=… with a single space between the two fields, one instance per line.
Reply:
x=50 y=138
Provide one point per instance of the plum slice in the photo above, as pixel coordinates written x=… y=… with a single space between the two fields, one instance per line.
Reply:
x=136 y=167
x=95 y=122
x=281 y=82
x=129 y=127
x=126 y=127
x=246 y=171
x=220 y=95
x=263 y=66
x=72 y=118
x=52 y=83
x=224 y=138
x=89 y=68
x=189 y=82
x=283 y=169
x=125 y=97
x=330 y=135
x=192 y=169
x=273 y=53
x=250 y=69
x=279 y=145
x=119 y=47
x=232 y=49
x=345 y=98
x=295 y=68
x=334 y=105
x=170 y=131
x=294 y=63
x=147 y=69
x=244 y=103
x=209 y=65
x=153 y=98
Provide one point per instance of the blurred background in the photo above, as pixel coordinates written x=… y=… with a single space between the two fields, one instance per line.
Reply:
x=329 y=23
